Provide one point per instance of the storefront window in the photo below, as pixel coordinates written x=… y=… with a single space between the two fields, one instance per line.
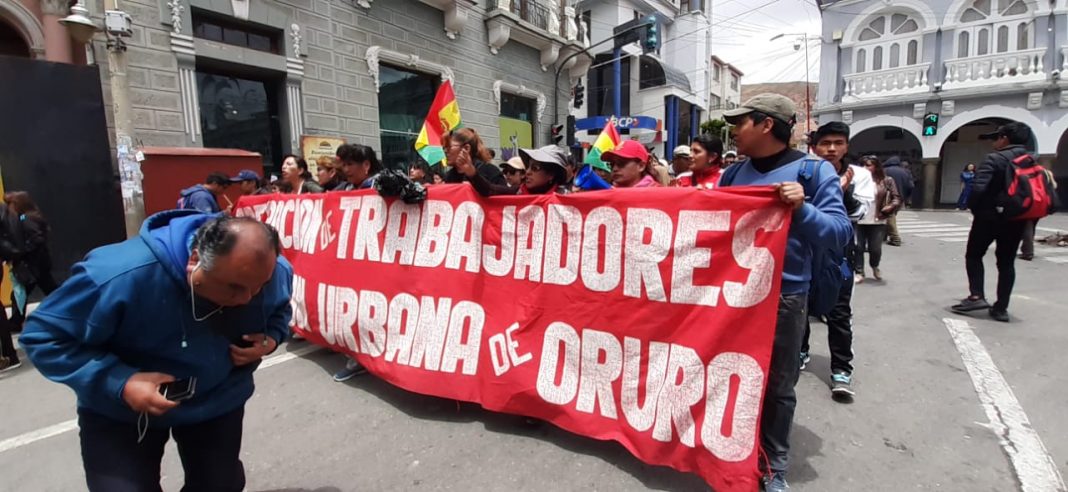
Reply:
x=404 y=98
x=238 y=113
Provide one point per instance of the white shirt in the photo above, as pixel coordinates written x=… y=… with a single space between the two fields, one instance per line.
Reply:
x=863 y=192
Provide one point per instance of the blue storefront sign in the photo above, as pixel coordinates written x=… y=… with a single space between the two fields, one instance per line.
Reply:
x=622 y=123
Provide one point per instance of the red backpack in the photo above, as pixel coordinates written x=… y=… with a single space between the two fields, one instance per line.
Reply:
x=1029 y=194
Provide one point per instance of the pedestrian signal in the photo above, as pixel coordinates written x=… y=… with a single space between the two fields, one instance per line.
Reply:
x=930 y=125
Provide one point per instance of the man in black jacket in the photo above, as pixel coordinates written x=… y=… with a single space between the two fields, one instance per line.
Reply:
x=903 y=179
x=988 y=225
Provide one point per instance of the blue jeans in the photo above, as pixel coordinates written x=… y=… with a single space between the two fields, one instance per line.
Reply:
x=780 y=400
x=115 y=462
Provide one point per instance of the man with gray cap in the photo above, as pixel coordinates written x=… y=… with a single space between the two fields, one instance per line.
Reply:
x=546 y=172
x=762 y=130
x=680 y=161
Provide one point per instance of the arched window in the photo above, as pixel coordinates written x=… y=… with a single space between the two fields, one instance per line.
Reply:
x=1023 y=35
x=995 y=27
x=894 y=35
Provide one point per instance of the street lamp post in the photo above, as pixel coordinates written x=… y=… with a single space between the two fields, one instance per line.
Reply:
x=803 y=39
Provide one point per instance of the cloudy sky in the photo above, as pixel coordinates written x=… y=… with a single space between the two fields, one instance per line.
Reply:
x=742 y=30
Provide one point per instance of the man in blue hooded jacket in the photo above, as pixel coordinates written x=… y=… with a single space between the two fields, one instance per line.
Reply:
x=762 y=131
x=205 y=197
x=194 y=297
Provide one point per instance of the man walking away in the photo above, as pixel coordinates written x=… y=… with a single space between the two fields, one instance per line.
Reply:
x=205 y=197
x=159 y=336
x=905 y=184
x=762 y=130
x=989 y=226
x=831 y=143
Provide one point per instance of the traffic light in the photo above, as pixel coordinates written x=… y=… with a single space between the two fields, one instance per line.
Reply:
x=651 y=36
x=930 y=125
x=557 y=133
x=580 y=94
x=570 y=131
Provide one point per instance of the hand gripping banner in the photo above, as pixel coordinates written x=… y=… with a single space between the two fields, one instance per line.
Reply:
x=643 y=316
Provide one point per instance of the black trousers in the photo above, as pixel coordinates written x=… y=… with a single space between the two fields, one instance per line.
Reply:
x=1006 y=235
x=1028 y=246
x=780 y=399
x=870 y=238
x=7 y=347
x=115 y=462
x=839 y=331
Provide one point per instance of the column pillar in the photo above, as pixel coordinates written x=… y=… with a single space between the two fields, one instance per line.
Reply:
x=930 y=182
x=57 y=38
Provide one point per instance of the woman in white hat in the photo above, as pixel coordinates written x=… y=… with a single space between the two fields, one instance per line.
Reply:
x=546 y=172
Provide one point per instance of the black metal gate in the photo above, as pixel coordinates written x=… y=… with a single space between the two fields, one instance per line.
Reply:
x=54 y=145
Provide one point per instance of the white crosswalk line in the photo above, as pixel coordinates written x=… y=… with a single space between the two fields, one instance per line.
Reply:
x=933 y=228
x=939 y=235
x=955 y=240
x=1051 y=251
x=1057 y=260
x=902 y=223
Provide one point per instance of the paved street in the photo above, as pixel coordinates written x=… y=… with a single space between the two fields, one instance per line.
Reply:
x=918 y=422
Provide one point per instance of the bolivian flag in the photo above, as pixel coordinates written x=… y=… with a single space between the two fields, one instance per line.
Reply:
x=444 y=117
x=606 y=141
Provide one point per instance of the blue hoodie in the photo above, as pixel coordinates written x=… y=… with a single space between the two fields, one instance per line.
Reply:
x=125 y=309
x=198 y=197
x=818 y=225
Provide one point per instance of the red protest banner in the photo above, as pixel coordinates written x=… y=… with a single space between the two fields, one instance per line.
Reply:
x=644 y=316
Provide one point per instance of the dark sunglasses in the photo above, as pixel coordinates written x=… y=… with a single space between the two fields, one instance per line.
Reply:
x=512 y=170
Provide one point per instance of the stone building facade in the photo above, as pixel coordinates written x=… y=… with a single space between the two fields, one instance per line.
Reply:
x=259 y=74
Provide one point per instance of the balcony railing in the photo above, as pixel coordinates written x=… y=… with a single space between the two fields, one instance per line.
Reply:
x=995 y=69
x=898 y=81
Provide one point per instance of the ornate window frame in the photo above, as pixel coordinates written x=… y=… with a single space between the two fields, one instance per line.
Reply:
x=500 y=86
x=376 y=54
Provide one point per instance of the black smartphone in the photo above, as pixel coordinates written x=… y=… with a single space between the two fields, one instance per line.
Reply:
x=182 y=389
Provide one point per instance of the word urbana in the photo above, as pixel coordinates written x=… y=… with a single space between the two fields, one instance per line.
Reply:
x=550 y=244
x=664 y=390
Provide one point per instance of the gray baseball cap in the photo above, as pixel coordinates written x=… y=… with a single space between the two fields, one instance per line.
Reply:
x=774 y=105
x=549 y=154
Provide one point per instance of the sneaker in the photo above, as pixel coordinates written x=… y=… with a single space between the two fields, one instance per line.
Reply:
x=1026 y=257
x=351 y=370
x=776 y=482
x=877 y=274
x=858 y=278
x=805 y=359
x=7 y=365
x=842 y=385
x=999 y=315
x=970 y=304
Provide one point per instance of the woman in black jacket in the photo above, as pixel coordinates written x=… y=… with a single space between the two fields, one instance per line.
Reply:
x=33 y=268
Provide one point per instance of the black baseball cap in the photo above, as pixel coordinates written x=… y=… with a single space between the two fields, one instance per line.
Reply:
x=1017 y=133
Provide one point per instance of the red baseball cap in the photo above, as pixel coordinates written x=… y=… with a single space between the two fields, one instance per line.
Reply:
x=629 y=149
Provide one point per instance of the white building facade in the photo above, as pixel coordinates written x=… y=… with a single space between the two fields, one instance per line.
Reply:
x=724 y=88
x=974 y=63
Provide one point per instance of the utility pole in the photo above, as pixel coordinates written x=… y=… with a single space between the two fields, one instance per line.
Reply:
x=803 y=39
x=117 y=26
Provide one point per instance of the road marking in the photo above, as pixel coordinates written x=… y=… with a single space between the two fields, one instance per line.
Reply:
x=1034 y=467
x=932 y=227
x=955 y=240
x=944 y=234
x=1057 y=260
x=69 y=425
